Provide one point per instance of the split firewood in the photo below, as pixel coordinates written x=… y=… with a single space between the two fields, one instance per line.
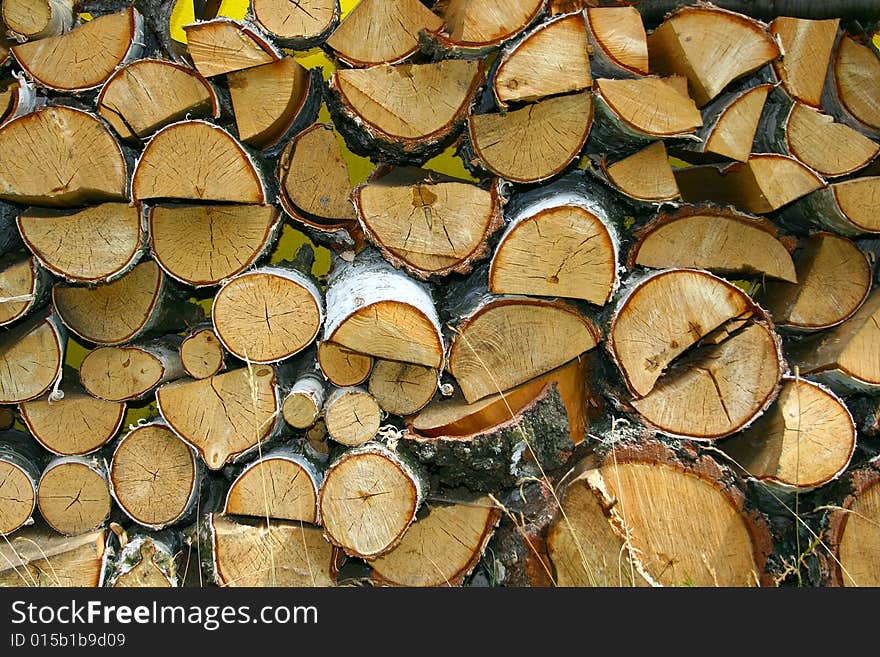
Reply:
x=378 y=32
x=806 y=439
x=218 y=168
x=133 y=371
x=833 y=280
x=501 y=341
x=226 y=416
x=376 y=310
x=402 y=388
x=473 y=28
x=343 y=367
x=274 y=101
x=553 y=58
x=85 y=57
x=559 y=241
x=223 y=45
x=201 y=353
x=40 y=557
x=101 y=242
x=76 y=424
x=21 y=463
x=282 y=485
x=155 y=476
x=720 y=240
x=352 y=416
x=86 y=161
x=31 y=357
x=846 y=207
x=37 y=19
x=806 y=51
x=140 y=304
x=764 y=183
x=17 y=98
x=24 y=286
x=148 y=94
x=304 y=400
x=618 y=41
x=203 y=245
x=703 y=368
x=406 y=112
x=852 y=94
x=428 y=223
x=73 y=495
x=298 y=25
x=711 y=47
x=368 y=500
x=441 y=548
x=617 y=526
x=147 y=560
x=241 y=553
x=645 y=176
x=531 y=143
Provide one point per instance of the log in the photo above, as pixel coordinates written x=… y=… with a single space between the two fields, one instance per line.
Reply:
x=845 y=206
x=143 y=303
x=406 y=112
x=532 y=143
x=277 y=554
x=147 y=94
x=343 y=367
x=21 y=463
x=225 y=417
x=305 y=397
x=73 y=495
x=100 y=243
x=441 y=548
x=806 y=51
x=131 y=372
x=703 y=372
x=853 y=89
x=644 y=513
x=31 y=357
x=368 y=500
x=429 y=224
x=24 y=287
x=723 y=241
x=298 y=25
x=87 y=163
x=645 y=176
x=402 y=388
x=39 y=557
x=375 y=32
x=147 y=559
x=85 y=57
x=155 y=477
x=711 y=47
x=219 y=168
x=201 y=353
x=352 y=416
x=282 y=485
x=32 y=20
x=805 y=440
x=223 y=45
x=618 y=41
x=833 y=280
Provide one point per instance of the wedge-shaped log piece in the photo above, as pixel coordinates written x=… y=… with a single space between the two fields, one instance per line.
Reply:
x=560 y=241
x=643 y=515
x=551 y=59
x=23 y=287
x=352 y=416
x=474 y=27
x=406 y=111
x=21 y=463
x=711 y=47
x=31 y=357
x=253 y=554
x=402 y=388
x=428 y=223
x=37 y=19
x=298 y=25
x=85 y=57
x=343 y=367
x=155 y=476
x=225 y=416
x=766 y=182
x=703 y=370
x=380 y=32
x=806 y=50
x=853 y=93
x=223 y=45
x=805 y=440
x=73 y=495
x=38 y=556
x=532 y=143
x=133 y=371
x=217 y=168
x=85 y=159
x=379 y=311
x=100 y=243
x=201 y=353
x=148 y=94
x=646 y=175
x=142 y=303
x=722 y=241
x=282 y=485
x=847 y=207
x=833 y=280
x=202 y=245
x=441 y=548
x=618 y=40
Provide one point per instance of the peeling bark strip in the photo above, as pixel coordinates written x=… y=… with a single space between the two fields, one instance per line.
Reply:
x=73 y=495
x=148 y=560
x=38 y=556
x=21 y=463
x=31 y=357
x=132 y=371
x=17 y=98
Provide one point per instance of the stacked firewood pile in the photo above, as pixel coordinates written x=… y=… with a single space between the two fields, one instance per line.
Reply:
x=634 y=342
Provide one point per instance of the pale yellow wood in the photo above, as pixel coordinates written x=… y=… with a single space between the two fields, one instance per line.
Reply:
x=202 y=354
x=486 y=22
x=645 y=175
x=352 y=416
x=120 y=373
x=299 y=410
x=73 y=498
x=806 y=50
x=402 y=388
x=76 y=424
x=27 y=17
x=857 y=199
x=857 y=80
x=147 y=572
x=223 y=46
x=860 y=538
x=850 y=345
x=620 y=33
x=30 y=360
x=295 y=20
x=17 y=281
x=650 y=105
x=39 y=557
x=274 y=487
x=17 y=497
x=341 y=366
x=734 y=133
x=832 y=149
